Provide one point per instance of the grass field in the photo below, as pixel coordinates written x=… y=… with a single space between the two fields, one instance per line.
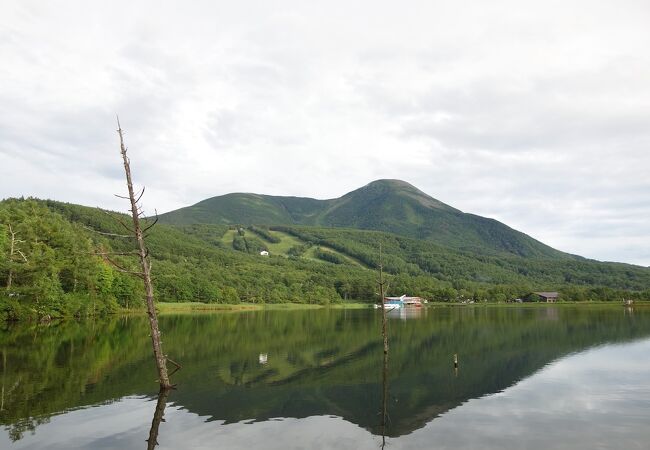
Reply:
x=165 y=307
x=286 y=242
x=227 y=238
x=197 y=307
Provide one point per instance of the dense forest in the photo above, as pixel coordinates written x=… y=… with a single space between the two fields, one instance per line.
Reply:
x=50 y=267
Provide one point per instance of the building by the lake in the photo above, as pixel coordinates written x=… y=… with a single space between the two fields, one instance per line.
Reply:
x=548 y=297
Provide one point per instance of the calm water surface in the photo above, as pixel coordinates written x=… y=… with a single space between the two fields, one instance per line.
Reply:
x=528 y=378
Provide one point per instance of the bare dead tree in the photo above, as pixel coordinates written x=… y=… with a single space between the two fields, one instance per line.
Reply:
x=384 y=333
x=13 y=251
x=383 y=301
x=142 y=253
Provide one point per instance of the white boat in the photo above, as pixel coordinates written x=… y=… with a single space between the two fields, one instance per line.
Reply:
x=405 y=301
x=391 y=303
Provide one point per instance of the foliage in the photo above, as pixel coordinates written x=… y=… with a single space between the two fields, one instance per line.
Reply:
x=385 y=205
x=62 y=276
x=59 y=275
x=264 y=234
x=328 y=256
x=298 y=250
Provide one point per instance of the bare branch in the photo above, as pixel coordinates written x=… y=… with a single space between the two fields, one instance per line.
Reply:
x=116 y=218
x=121 y=196
x=138 y=210
x=109 y=234
x=120 y=268
x=155 y=221
x=177 y=368
x=173 y=362
x=117 y=253
x=22 y=254
x=140 y=195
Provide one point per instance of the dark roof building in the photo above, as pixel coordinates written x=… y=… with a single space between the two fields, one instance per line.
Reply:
x=548 y=297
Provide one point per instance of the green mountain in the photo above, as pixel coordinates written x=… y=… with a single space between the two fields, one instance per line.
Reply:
x=385 y=205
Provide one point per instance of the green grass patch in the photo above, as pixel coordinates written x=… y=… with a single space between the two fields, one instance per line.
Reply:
x=227 y=238
x=181 y=307
x=286 y=242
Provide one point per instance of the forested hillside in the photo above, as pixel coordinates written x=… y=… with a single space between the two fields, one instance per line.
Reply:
x=62 y=276
x=53 y=269
x=385 y=205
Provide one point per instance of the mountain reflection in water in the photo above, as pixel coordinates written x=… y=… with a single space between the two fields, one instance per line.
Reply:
x=321 y=381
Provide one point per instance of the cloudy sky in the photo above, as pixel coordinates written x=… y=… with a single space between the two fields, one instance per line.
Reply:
x=536 y=113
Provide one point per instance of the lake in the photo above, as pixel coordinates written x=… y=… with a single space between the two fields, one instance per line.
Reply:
x=527 y=378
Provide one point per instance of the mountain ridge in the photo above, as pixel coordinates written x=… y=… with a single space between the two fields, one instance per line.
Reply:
x=387 y=205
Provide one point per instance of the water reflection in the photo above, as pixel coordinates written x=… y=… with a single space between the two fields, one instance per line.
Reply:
x=384 y=399
x=407 y=313
x=317 y=371
x=158 y=416
x=595 y=399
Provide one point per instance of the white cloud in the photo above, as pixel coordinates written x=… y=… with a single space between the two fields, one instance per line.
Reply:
x=534 y=114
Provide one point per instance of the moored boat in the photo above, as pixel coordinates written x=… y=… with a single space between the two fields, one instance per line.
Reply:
x=400 y=302
x=390 y=304
x=406 y=301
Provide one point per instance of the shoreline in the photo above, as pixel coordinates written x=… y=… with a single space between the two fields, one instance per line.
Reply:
x=168 y=307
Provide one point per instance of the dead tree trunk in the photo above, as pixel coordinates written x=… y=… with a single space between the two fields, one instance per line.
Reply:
x=383 y=302
x=161 y=361
x=384 y=400
x=158 y=416
x=13 y=250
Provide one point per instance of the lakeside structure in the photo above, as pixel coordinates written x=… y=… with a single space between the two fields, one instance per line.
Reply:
x=548 y=297
x=401 y=302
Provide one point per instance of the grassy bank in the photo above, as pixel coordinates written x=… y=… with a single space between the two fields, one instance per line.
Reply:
x=168 y=307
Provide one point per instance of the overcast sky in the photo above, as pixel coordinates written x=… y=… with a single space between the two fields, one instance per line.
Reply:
x=535 y=113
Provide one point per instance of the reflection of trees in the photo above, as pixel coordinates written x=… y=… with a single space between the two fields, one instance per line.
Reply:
x=54 y=368
x=18 y=429
x=158 y=416
x=322 y=357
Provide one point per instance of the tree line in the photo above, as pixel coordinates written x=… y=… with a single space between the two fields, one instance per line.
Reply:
x=54 y=269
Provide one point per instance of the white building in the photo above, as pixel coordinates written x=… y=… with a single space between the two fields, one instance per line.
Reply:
x=264 y=253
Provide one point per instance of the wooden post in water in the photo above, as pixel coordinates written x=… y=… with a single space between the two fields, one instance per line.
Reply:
x=383 y=301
